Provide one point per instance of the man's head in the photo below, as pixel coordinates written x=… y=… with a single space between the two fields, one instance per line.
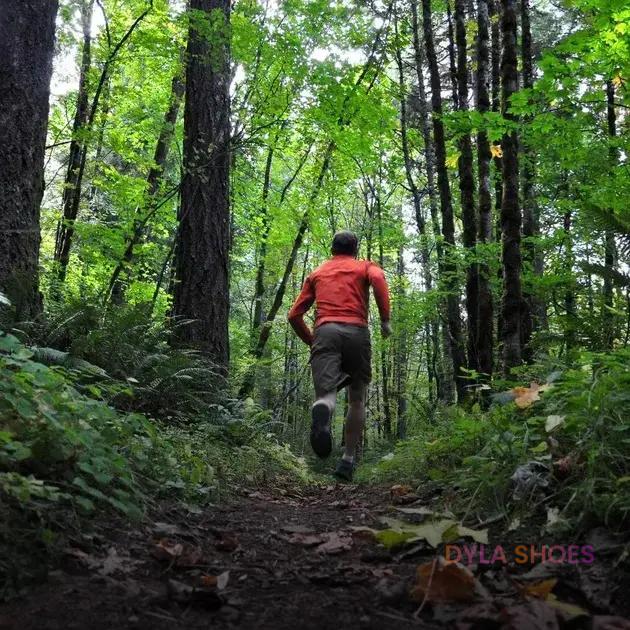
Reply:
x=345 y=243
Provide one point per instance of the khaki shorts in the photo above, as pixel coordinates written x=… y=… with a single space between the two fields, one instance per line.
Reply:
x=340 y=355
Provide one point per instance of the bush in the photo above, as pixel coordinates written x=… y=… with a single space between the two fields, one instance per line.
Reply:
x=579 y=430
x=65 y=455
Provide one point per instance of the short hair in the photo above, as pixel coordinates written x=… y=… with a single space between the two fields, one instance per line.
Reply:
x=345 y=243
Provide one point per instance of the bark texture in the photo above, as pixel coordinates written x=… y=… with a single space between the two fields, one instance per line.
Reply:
x=485 y=307
x=446 y=206
x=510 y=208
x=27 y=37
x=76 y=159
x=441 y=365
x=610 y=250
x=201 y=292
x=467 y=187
x=534 y=313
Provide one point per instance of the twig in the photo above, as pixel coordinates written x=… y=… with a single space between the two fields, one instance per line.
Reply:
x=426 y=593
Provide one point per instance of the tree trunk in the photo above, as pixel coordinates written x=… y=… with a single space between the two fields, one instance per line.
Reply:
x=533 y=315
x=76 y=158
x=570 y=328
x=495 y=39
x=202 y=287
x=400 y=361
x=448 y=223
x=387 y=411
x=444 y=385
x=27 y=37
x=416 y=197
x=467 y=188
x=259 y=287
x=452 y=57
x=609 y=242
x=484 y=337
x=154 y=183
x=510 y=209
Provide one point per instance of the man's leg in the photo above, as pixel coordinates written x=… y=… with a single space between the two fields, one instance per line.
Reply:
x=355 y=419
x=321 y=414
x=327 y=398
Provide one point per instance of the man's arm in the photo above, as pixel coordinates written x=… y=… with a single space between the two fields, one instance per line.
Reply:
x=376 y=277
x=296 y=314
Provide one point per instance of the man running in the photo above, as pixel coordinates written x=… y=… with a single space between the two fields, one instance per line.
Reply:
x=340 y=343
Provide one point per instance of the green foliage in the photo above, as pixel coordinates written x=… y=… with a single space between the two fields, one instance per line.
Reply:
x=585 y=445
x=67 y=455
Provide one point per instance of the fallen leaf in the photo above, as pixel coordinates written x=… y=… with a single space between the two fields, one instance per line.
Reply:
x=219 y=581
x=166 y=549
x=568 y=611
x=526 y=396
x=177 y=553
x=459 y=531
x=391 y=538
x=400 y=490
x=308 y=540
x=434 y=531
x=334 y=543
x=553 y=422
x=541 y=590
x=438 y=581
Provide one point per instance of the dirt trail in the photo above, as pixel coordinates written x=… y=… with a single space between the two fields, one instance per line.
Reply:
x=281 y=559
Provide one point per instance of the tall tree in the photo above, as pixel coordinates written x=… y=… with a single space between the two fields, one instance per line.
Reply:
x=27 y=37
x=431 y=327
x=77 y=155
x=446 y=206
x=609 y=240
x=467 y=187
x=202 y=289
x=484 y=336
x=533 y=309
x=510 y=207
x=444 y=384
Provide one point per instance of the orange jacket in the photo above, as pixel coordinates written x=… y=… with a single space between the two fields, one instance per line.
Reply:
x=340 y=290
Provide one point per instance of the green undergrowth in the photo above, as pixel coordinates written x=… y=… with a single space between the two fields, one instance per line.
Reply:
x=67 y=455
x=576 y=437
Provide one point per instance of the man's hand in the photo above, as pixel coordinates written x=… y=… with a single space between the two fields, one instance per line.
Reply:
x=386 y=329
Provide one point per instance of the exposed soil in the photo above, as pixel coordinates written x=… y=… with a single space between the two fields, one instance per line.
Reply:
x=293 y=561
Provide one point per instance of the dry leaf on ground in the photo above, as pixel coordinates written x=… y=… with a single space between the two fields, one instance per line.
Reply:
x=439 y=581
x=400 y=490
x=181 y=555
x=335 y=542
x=219 y=581
x=541 y=589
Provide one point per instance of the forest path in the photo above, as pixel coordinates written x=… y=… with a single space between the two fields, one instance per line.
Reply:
x=276 y=559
